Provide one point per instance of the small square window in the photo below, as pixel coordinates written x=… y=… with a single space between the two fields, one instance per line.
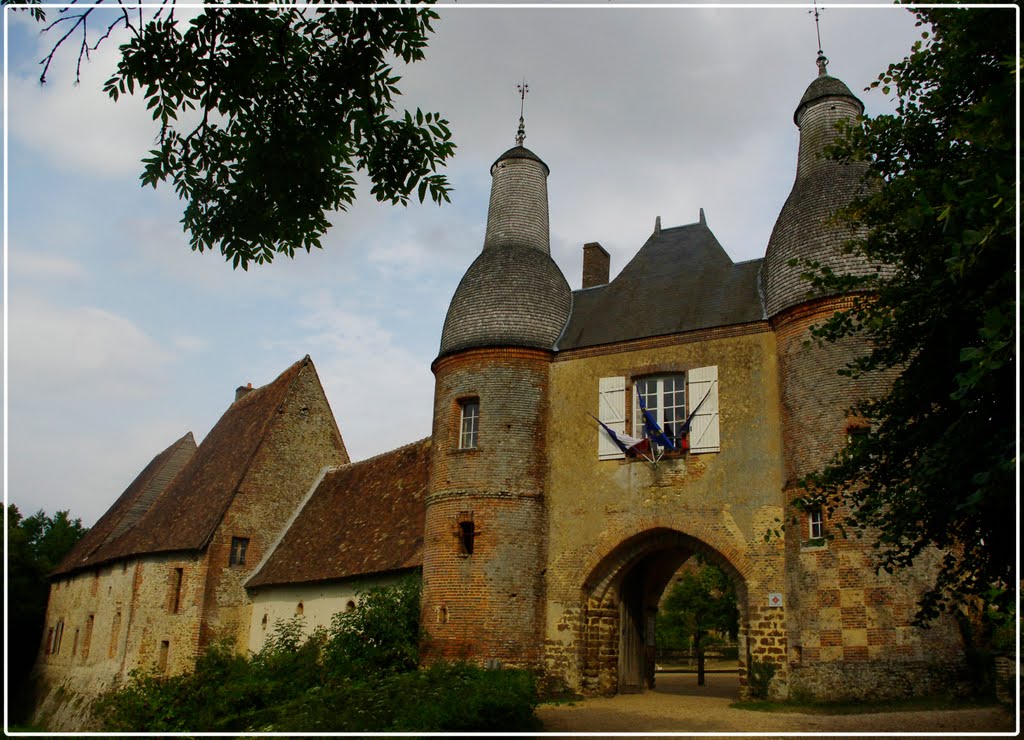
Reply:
x=238 y=547
x=470 y=424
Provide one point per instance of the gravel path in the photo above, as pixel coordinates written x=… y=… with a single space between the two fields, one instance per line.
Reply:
x=679 y=705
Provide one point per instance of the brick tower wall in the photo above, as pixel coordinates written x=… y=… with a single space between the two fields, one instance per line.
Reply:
x=488 y=605
x=850 y=630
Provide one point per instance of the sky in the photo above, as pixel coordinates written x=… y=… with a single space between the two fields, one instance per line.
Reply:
x=120 y=339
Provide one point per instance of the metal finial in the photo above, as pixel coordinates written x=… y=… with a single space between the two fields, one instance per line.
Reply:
x=521 y=133
x=822 y=60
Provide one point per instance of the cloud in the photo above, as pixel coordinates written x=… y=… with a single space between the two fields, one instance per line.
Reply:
x=26 y=265
x=60 y=352
x=381 y=393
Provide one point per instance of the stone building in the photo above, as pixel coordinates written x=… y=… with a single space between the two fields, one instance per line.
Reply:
x=540 y=541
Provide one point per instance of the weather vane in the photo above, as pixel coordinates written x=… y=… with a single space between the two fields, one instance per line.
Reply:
x=822 y=60
x=521 y=133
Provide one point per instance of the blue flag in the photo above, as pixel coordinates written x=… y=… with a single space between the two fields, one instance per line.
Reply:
x=651 y=427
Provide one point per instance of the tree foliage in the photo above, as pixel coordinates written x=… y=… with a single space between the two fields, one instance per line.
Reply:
x=35 y=546
x=937 y=467
x=702 y=601
x=266 y=115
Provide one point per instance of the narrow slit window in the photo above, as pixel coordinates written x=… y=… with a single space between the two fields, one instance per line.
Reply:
x=114 y=630
x=161 y=661
x=174 y=598
x=470 y=424
x=239 y=546
x=87 y=641
x=467 y=534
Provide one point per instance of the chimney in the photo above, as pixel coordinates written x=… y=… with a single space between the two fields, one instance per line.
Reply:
x=242 y=390
x=596 y=265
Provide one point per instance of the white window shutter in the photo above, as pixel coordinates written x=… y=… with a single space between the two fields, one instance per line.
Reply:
x=611 y=409
x=701 y=382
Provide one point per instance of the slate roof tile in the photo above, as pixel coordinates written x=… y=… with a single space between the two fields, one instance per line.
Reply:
x=680 y=280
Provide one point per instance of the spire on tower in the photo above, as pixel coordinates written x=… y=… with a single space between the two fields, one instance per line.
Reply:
x=521 y=133
x=822 y=60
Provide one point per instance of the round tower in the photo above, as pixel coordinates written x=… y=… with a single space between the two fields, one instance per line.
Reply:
x=483 y=552
x=814 y=397
x=843 y=619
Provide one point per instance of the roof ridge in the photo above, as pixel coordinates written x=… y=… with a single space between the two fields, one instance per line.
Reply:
x=383 y=454
x=117 y=532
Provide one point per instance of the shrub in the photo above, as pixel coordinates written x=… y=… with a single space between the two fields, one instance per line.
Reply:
x=359 y=676
x=759 y=676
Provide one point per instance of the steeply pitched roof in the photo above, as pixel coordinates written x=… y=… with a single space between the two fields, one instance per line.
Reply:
x=680 y=280
x=185 y=516
x=366 y=517
x=137 y=498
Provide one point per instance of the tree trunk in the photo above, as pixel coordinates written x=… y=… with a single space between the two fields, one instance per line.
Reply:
x=699 y=648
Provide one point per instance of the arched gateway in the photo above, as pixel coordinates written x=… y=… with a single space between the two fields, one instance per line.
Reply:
x=621 y=599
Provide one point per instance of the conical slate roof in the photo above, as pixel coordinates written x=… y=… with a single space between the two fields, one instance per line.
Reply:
x=824 y=86
x=806 y=229
x=513 y=295
x=520 y=152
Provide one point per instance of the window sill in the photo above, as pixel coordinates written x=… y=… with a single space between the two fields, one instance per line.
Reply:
x=465 y=450
x=818 y=543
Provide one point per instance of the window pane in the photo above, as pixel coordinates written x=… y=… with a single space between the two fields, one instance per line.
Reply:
x=470 y=425
x=665 y=399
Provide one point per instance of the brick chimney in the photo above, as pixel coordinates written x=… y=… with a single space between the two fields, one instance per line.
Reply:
x=596 y=265
x=242 y=390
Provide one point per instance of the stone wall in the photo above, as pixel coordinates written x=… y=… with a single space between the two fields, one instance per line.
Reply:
x=301 y=441
x=140 y=620
x=608 y=517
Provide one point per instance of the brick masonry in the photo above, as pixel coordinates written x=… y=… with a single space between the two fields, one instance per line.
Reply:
x=850 y=630
x=487 y=605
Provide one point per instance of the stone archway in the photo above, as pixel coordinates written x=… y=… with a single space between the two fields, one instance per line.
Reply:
x=620 y=599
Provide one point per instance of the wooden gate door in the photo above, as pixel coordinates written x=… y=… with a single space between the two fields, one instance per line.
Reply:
x=631 y=643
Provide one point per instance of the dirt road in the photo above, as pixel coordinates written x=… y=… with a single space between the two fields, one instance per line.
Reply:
x=679 y=705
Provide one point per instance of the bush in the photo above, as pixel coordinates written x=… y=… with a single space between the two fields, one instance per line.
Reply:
x=759 y=677
x=359 y=676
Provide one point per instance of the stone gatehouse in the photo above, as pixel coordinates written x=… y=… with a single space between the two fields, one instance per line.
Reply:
x=541 y=542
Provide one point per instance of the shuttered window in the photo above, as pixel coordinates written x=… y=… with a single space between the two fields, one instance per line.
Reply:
x=665 y=398
x=702 y=385
x=612 y=411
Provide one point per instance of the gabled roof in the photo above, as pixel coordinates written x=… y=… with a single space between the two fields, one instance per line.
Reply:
x=185 y=516
x=362 y=518
x=136 y=499
x=680 y=280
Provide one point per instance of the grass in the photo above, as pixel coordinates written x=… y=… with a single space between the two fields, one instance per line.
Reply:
x=914 y=704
